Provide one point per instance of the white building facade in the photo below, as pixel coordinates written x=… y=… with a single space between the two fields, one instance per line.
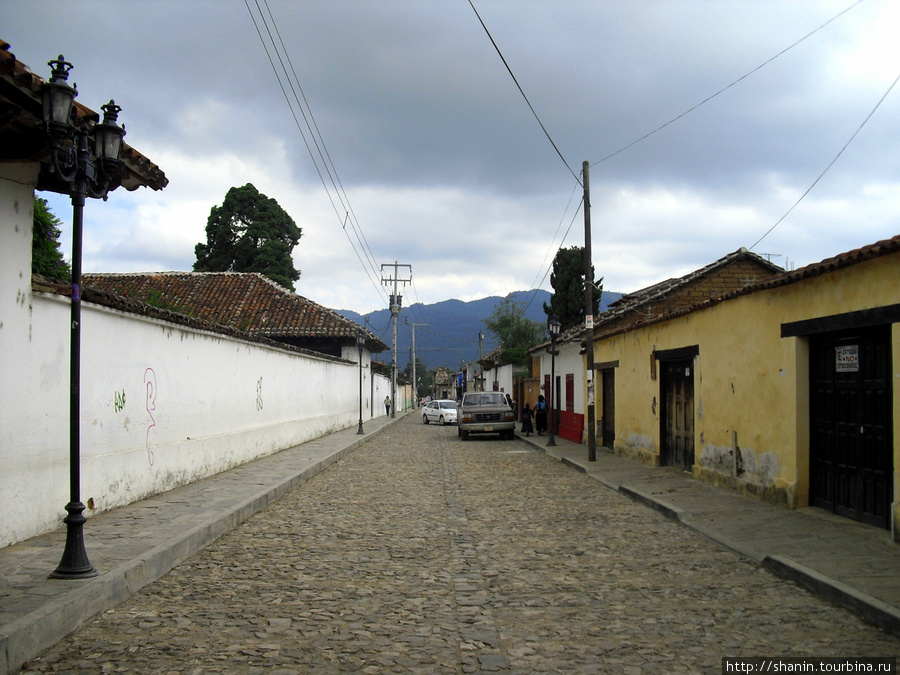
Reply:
x=162 y=404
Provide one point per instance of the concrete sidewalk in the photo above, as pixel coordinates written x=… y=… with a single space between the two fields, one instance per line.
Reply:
x=854 y=565
x=137 y=544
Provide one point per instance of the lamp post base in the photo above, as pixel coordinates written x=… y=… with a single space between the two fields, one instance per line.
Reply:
x=74 y=563
x=360 y=430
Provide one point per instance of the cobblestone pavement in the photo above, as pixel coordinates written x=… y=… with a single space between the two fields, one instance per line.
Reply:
x=422 y=553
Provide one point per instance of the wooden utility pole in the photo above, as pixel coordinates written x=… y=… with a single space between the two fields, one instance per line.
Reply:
x=589 y=315
x=396 y=299
x=481 y=360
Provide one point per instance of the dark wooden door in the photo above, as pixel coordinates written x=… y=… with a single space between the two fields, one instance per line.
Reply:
x=608 y=422
x=677 y=420
x=851 y=467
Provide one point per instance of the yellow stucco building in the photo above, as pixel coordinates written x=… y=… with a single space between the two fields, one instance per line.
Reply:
x=785 y=389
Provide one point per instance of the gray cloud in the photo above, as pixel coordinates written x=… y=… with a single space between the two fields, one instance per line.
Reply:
x=444 y=164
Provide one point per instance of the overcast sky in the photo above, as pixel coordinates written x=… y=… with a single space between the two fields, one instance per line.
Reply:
x=438 y=157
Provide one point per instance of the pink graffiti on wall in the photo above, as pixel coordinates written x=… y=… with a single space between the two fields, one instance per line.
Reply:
x=150 y=383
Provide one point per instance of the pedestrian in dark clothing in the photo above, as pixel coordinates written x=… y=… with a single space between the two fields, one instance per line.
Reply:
x=527 y=427
x=540 y=415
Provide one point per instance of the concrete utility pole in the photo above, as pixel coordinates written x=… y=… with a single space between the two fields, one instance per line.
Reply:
x=415 y=384
x=396 y=299
x=589 y=315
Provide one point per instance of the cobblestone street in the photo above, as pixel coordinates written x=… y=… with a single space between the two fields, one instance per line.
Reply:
x=423 y=553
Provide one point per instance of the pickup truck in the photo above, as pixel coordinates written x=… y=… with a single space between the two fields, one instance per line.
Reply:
x=485 y=412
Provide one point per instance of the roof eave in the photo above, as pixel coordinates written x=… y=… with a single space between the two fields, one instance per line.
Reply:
x=21 y=109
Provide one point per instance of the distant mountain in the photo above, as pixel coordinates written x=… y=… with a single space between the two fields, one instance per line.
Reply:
x=447 y=332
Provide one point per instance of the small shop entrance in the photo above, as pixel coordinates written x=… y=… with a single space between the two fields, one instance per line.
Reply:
x=851 y=467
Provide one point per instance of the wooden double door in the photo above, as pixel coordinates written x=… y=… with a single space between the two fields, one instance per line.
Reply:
x=677 y=413
x=851 y=454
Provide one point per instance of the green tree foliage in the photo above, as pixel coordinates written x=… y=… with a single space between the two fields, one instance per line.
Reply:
x=250 y=232
x=426 y=382
x=515 y=332
x=567 y=280
x=46 y=257
x=423 y=375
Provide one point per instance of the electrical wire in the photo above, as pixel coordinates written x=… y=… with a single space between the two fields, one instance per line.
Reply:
x=550 y=248
x=830 y=164
x=706 y=100
x=337 y=186
x=727 y=87
x=315 y=133
x=322 y=148
x=645 y=136
x=635 y=142
x=547 y=270
x=522 y=91
x=324 y=163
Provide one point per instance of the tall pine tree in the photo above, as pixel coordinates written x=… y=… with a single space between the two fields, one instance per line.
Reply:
x=250 y=232
x=567 y=279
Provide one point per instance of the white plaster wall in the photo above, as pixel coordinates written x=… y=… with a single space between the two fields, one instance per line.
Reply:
x=504 y=375
x=569 y=361
x=382 y=388
x=161 y=406
x=16 y=214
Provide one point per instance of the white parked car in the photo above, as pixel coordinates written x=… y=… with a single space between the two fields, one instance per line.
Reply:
x=442 y=411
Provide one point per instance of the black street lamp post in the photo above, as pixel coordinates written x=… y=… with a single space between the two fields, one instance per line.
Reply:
x=86 y=156
x=554 y=331
x=360 y=343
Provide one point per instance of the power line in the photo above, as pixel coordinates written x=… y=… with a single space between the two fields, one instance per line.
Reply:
x=543 y=267
x=521 y=91
x=647 y=135
x=324 y=162
x=651 y=133
x=550 y=267
x=727 y=87
x=830 y=164
x=322 y=147
x=642 y=138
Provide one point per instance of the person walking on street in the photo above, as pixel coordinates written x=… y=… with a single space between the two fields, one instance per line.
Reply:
x=387 y=405
x=527 y=427
x=540 y=415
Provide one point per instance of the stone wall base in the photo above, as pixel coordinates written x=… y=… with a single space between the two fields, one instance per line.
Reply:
x=638 y=454
x=773 y=494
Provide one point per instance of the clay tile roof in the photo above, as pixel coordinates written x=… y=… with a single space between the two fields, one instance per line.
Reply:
x=491 y=358
x=858 y=255
x=640 y=297
x=661 y=298
x=879 y=249
x=245 y=301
